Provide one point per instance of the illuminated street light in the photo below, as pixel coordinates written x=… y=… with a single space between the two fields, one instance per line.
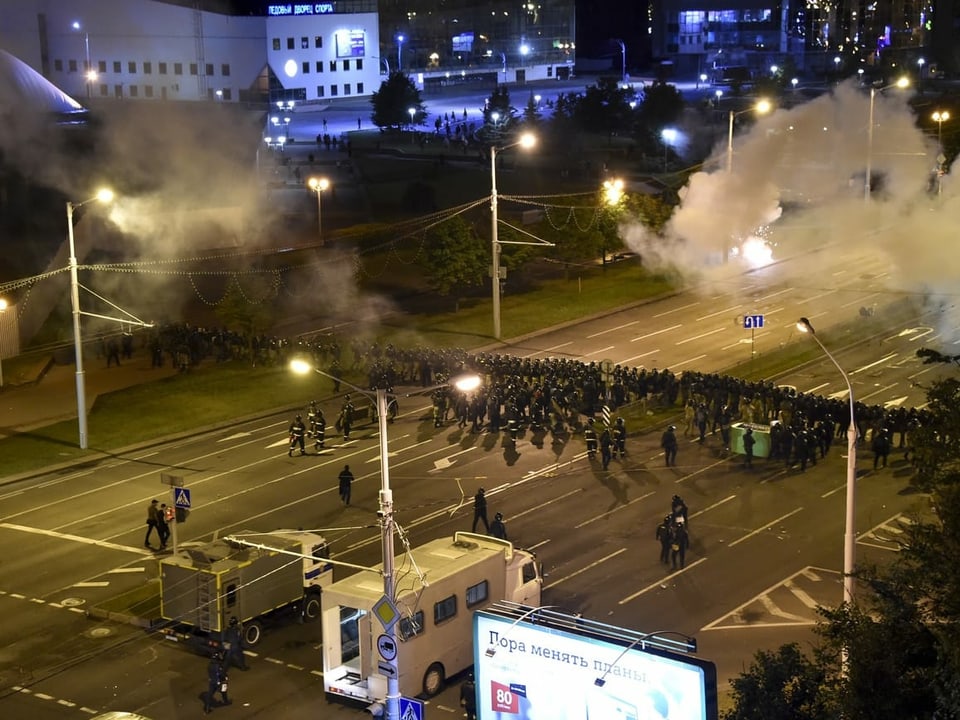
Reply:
x=104 y=195
x=901 y=83
x=939 y=117
x=318 y=185
x=761 y=107
x=400 y=39
x=613 y=191
x=3 y=309
x=623 y=58
x=465 y=383
x=669 y=136
x=412 y=111
x=526 y=141
x=89 y=73
x=794 y=81
x=701 y=79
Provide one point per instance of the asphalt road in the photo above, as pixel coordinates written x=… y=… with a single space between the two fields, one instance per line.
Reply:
x=766 y=545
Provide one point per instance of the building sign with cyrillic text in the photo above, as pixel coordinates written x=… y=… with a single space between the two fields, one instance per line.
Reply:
x=300 y=9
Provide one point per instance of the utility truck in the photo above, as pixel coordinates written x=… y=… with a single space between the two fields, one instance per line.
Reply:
x=437 y=588
x=252 y=577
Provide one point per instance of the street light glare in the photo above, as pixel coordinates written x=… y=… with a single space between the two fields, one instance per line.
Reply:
x=320 y=184
x=940 y=116
x=902 y=82
x=763 y=106
x=467 y=383
x=105 y=195
x=300 y=367
x=804 y=326
x=528 y=140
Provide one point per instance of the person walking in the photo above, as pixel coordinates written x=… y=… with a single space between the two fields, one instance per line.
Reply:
x=480 y=510
x=669 y=444
x=748 y=442
x=297 y=432
x=663 y=535
x=679 y=543
x=881 y=447
x=468 y=697
x=216 y=682
x=153 y=522
x=234 y=638
x=497 y=528
x=163 y=528
x=346 y=480
x=606 y=447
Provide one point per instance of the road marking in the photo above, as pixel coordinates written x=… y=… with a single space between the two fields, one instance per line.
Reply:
x=446 y=462
x=761 y=529
x=656 y=332
x=318 y=673
x=678 y=309
x=584 y=569
x=814 y=389
x=618 y=327
x=611 y=512
x=802 y=595
x=721 y=461
x=701 y=335
x=235 y=436
x=817 y=297
x=658 y=583
x=535 y=508
x=637 y=357
x=860 y=300
x=885 y=358
x=861 y=398
x=719 y=312
x=771 y=295
x=674 y=366
x=556 y=347
x=91 y=584
x=600 y=351
x=716 y=504
x=77 y=538
x=117 y=571
x=771 y=607
x=539 y=544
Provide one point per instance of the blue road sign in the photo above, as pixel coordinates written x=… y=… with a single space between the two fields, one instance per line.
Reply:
x=181 y=498
x=410 y=709
x=752 y=322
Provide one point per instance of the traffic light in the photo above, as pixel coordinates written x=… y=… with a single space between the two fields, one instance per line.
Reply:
x=168 y=514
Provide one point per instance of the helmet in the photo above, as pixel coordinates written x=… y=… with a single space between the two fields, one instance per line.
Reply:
x=591 y=421
x=672 y=427
x=498 y=516
x=233 y=621
x=299 y=417
x=619 y=421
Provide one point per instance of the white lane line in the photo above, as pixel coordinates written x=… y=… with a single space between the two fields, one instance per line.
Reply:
x=557 y=347
x=765 y=527
x=542 y=505
x=658 y=583
x=618 y=327
x=77 y=538
x=711 y=507
x=801 y=595
x=91 y=584
x=678 y=309
x=862 y=301
x=722 y=461
x=121 y=570
x=861 y=398
x=814 y=389
x=718 y=312
x=318 y=673
x=607 y=514
x=817 y=297
x=583 y=569
x=885 y=358
x=539 y=544
x=674 y=366
x=629 y=360
x=772 y=608
x=772 y=295
x=701 y=335
x=656 y=332
x=600 y=351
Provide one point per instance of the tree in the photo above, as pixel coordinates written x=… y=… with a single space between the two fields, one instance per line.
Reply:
x=605 y=107
x=662 y=105
x=455 y=258
x=248 y=306
x=392 y=102
x=781 y=685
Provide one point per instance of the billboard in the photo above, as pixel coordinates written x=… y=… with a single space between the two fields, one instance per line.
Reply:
x=539 y=671
x=350 y=43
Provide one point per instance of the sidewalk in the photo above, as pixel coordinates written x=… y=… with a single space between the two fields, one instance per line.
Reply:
x=53 y=397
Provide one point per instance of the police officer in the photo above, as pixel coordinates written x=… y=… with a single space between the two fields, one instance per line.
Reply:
x=468 y=697
x=748 y=442
x=663 y=535
x=480 y=510
x=216 y=682
x=346 y=418
x=606 y=447
x=497 y=527
x=297 y=432
x=234 y=638
x=620 y=438
x=319 y=429
x=590 y=435
x=669 y=444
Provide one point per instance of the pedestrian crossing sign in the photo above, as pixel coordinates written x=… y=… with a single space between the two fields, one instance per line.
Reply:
x=411 y=709
x=181 y=498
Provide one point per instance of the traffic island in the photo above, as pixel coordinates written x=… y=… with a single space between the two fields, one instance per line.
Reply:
x=140 y=606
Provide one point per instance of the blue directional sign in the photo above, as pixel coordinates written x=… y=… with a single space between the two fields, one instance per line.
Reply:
x=410 y=709
x=181 y=498
x=752 y=322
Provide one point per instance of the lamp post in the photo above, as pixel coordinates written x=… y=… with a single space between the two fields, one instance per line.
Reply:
x=318 y=185
x=701 y=79
x=761 y=107
x=669 y=136
x=89 y=73
x=400 y=39
x=3 y=309
x=901 y=83
x=412 y=112
x=690 y=646
x=527 y=140
x=467 y=383
x=623 y=58
x=849 y=534
x=938 y=117
x=103 y=195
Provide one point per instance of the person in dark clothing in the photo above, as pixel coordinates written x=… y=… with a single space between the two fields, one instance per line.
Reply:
x=678 y=510
x=234 y=638
x=663 y=535
x=153 y=523
x=669 y=444
x=497 y=528
x=216 y=682
x=113 y=352
x=480 y=510
x=468 y=697
x=679 y=543
x=881 y=447
x=163 y=529
x=748 y=442
x=606 y=447
x=297 y=433
x=346 y=480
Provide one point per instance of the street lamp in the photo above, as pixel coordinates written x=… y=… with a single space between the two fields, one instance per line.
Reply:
x=385 y=514
x=613 y=191
x=527 y=141
x=794 y=81
x=623 y=58
x=89 y=73
x=105 y=196
x=3 y=309
x=702 y=79
x=318 y=185
x=901 y=83
x=412 y=111
x=669 y=136
x=849 y=535
x=938 y=117
x=761 y=107
x=400 y=39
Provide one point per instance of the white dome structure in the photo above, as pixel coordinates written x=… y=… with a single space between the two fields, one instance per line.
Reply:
x=24 y=90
